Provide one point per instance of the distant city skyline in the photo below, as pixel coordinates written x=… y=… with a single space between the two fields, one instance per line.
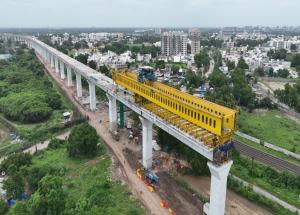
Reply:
x=143 y=13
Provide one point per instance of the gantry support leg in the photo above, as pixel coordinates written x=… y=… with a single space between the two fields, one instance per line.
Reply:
x=92 y=92
x=78 y=85
x=147 y=142
x=218 y=187
x=112 y=102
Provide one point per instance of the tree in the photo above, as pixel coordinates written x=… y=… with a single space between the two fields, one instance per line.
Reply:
x=296 y=60
x=160 y=64
x=82 y=141
x=283 y=73
x=92 y=64
x=20 y=208
x=14 y=185
x=202 y=59
x=17 y=160
x=242 y=64
x=280 y=54
x=259 y=72
x=49 y=198
x=242 y=92
x=83 y=58
x=4 y=207
x=271 y=72
x=293 y=47
x=175 y=68
x=104 y=70
x=230 y=65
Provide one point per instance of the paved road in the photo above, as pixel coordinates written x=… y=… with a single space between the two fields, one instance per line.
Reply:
x=267 y=159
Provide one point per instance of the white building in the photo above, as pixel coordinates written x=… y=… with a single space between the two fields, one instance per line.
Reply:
x=174 y=43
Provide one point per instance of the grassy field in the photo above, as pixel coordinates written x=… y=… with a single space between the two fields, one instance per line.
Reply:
x=272 y=127
x=82 y=174
x=285 y=194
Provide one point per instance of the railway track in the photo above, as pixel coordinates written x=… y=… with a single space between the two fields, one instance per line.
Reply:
x=267 y=159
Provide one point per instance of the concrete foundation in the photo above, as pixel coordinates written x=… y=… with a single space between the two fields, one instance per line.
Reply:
x=147 y=142
x=218 y=186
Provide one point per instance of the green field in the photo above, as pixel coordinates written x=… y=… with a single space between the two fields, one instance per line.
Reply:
x=81 y=175
x=272 y=127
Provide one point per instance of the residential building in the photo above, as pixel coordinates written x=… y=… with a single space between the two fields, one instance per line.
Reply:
x=174 y=43
x=195 y=40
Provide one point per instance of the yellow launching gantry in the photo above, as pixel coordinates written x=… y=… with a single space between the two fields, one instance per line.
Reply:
x=206 y=121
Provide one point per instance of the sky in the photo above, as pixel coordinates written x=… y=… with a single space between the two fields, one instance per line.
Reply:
x=148 y=13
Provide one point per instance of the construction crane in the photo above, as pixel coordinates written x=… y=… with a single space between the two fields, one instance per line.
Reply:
x=206 y=121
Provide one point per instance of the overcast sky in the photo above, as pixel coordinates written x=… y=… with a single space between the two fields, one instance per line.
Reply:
x=148 y=13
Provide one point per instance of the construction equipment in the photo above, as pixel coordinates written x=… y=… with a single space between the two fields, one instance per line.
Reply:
x=151 y=176
x=210 y=123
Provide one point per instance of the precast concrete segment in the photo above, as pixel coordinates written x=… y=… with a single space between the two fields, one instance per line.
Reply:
x=218 y=188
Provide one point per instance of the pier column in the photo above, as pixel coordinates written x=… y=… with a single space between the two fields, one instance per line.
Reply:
x=52 y=61
x=69 y=77
x=218 y=187
x=92 y=96
x=112 y=103
x=147 y=142
x=56 y=65
x=78 y=85
x=62 y=70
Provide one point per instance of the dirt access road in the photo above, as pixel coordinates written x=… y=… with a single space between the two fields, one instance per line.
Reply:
x=150 y=200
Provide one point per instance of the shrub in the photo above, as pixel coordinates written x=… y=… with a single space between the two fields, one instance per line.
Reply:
x=83 y=140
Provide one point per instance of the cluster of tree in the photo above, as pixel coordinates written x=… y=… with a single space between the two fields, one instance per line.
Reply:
x=202 y=59
x=26 y=94
x=230 y=65
x=217 y=56
x=160 y=64
x=82 y=141
x=280 y=54
x=266 y=103
x=171 y=144
x=231 y=91
x=290 y=95
x=222 y=90
x=193 y=80
x=83 y=58
x=242 y=64
x=104 y=70
x=212 y=42
x=45 y=182
x=82 y=44
x=116 y=47
x=296 y=61
x=249 y=42
x=145 y=50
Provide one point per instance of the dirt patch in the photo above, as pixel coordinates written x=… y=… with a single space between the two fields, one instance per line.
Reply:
x=277 y=85
x=132 y=158
x=235 y=204
x=180 y=200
